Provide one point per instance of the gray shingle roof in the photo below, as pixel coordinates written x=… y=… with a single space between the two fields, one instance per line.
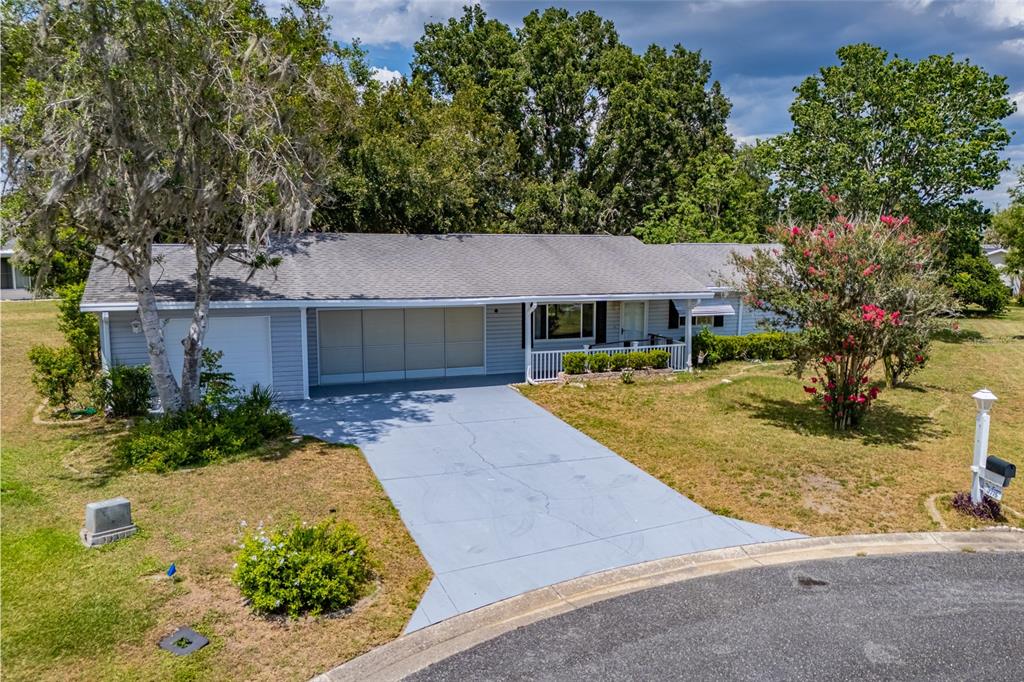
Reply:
x=711 y=264
x=395 y=266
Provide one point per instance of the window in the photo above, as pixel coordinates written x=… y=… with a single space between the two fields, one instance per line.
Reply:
x=564 y=321
x=709 y=321
x=673 y=315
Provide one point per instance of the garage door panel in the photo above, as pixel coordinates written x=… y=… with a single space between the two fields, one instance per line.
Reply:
x=245 y=342
x=384 y=358
x=464 y=324
x=341 y=328
x=424 y=325
x=383 y=327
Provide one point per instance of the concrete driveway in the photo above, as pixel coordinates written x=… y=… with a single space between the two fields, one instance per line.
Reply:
x=503 y=497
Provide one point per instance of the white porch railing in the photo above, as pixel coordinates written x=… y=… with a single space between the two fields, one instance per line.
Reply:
x=548 y=363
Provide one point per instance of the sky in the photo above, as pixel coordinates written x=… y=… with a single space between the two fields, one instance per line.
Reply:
x=759 y=49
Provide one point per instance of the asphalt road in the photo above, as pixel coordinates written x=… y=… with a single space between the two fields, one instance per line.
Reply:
x=912 y=617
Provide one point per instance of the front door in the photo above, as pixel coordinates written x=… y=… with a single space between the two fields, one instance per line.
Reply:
x=633 y=321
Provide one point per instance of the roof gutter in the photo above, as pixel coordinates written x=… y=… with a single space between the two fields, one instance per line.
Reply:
x=392 y=302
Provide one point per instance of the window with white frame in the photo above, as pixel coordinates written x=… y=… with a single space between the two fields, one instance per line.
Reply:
x=709 y=320
x=563 y=321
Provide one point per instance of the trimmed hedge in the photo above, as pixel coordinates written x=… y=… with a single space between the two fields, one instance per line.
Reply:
x=580 y=363
x=709 y=349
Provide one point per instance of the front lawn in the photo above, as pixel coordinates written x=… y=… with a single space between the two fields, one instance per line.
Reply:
x=76 y=613
x=743 y=440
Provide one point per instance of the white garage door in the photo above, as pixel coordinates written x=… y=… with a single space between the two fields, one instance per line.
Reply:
x=245 y=342
x=396 y=343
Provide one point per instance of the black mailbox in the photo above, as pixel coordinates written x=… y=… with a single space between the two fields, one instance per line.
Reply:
x=1001 y=467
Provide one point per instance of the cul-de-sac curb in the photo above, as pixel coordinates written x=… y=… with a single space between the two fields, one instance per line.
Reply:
x=417 y=650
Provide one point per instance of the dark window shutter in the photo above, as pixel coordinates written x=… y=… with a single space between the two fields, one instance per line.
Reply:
x=673 y=315
x=522 y=327
x=601 y=333
x=719 y=320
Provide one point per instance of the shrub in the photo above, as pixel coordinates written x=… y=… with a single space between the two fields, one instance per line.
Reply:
x=126 y=390
x=199 y=436
x=307 y=569
x=574 y=363
x=659 y=358
x=55 y=373
x=599 y=362
x=619 y=361
x=987 y=509
x=216 y=386
x=709 y=349
x=639 y=359
x=627 y=376
x=80 y=330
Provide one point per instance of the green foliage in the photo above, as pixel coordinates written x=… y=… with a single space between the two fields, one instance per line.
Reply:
x=639 y=359
x=859 y=291
x=627 y=376
x=893 y=136
x=199 y=436
x=304 y=570
x=126 y=390
x=974 y=279
x=599 y=362
x=619 y=361
x=1008 y=226
x=598 y=136
x=81 y=330
x=216 y=386
x=55 y=373
x=710 y=349
x=574 y=363
x=658 y=358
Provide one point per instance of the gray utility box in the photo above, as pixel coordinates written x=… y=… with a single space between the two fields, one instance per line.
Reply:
x=107 y=521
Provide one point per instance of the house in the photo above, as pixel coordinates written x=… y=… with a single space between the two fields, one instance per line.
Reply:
x=344 y=308
x=14 y=284
x=997 y=257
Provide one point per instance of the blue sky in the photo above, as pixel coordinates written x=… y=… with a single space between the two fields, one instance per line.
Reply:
x=758 y=49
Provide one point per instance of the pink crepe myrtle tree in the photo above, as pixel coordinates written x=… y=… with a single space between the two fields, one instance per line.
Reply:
x=862 y=291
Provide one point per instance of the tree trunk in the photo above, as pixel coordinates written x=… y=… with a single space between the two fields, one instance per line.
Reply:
x=193 y=342
x=160 y=367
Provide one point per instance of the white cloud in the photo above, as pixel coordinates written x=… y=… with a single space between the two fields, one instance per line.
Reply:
x=1018 y=99
x=383 y=74
x=994 y=13
x=1015 y=45
x=381 y=22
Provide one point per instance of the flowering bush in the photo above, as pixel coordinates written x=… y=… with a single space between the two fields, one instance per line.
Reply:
x=861 y=291
x=308 y=569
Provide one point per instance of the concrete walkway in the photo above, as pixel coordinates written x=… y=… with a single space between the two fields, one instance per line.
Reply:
x=502 y=497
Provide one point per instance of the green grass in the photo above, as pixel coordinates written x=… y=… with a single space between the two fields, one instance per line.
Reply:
x=744 y=440
x=75 y=613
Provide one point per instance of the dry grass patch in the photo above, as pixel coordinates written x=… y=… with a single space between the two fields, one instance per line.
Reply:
x=74 y=613
x=743 y=439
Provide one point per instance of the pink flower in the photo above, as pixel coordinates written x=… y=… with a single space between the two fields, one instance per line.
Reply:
x=827 y=398
x=888 y=220
x=814 y=380
x=919 y=359
x=873 y=392
x=833 y=198
x=810 y=389
x=794 y=231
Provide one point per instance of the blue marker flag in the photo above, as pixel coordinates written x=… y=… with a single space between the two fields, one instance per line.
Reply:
x=171 y=571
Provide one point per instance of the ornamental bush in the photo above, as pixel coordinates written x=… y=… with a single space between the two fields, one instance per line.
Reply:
x=199 y=436
x=860 y=291
x=710 y=349
x=574 y=363
x=304 y=570
x=619 y=362
x=639 y=359
x=126 y=390
x=658 y=358
x=599 y=362
x=55 y=373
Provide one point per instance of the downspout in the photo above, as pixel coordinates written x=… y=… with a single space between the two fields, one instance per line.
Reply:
x=105 y=341
x=528 y=341
x=304 y=334
x=739 y=319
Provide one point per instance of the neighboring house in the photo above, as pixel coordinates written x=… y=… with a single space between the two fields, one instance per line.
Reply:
x=997 y=256
x=14 y=284
x=346 y=308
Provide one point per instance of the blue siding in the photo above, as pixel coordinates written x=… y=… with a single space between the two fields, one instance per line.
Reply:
x=313 y=347
x=129 y=348
x=505 y=339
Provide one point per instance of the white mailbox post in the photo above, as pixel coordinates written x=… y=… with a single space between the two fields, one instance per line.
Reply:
x=984 y=399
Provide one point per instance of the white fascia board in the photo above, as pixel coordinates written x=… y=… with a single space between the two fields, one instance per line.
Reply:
x=394 y=302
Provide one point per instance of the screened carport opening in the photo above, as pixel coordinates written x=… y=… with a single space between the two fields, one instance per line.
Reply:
x=389 y=344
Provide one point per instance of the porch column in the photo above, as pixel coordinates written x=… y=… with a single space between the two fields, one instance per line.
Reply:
x=528 y=340
x=304 y=340
x=689 y=335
